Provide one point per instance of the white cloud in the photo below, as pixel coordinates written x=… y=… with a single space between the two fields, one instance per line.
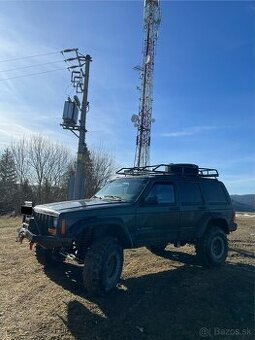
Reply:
x=188 y=131
x=240 y=184
x=34 y=104
x=9 y=131
x=14 y=45
x=240 y=179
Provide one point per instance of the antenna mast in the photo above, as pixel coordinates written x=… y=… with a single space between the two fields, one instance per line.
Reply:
x=144 y=119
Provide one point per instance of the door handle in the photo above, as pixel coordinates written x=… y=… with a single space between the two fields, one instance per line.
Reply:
x=201 y=208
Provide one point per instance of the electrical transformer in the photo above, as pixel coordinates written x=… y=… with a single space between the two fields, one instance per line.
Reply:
x=70 y=113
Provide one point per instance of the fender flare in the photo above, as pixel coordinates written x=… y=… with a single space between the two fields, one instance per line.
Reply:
x=99 y=228
x=215 y=220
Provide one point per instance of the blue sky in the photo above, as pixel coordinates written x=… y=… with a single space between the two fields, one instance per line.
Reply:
x=203 y=82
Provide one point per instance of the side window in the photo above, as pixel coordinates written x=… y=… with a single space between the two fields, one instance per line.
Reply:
x=190 y=193
x=214 y=192
x=163 y=193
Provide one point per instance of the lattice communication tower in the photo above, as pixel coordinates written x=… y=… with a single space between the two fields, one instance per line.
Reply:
x=143 y=120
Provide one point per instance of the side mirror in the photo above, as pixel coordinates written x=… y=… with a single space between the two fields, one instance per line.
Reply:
x=150 y=200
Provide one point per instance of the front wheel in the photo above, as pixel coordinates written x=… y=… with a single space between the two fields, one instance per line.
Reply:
x=212 y=247
x=47 y=257
x=103 y=265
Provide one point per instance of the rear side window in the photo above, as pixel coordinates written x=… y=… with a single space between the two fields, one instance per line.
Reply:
x=163 y=192
x=190 y=193
x=214 y=192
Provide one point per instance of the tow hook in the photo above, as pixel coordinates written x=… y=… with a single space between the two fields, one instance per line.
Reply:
x=20 y=236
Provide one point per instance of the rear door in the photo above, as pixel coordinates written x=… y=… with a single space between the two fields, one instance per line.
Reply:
x=217 y=198
x=192 y=208
x=158 y=214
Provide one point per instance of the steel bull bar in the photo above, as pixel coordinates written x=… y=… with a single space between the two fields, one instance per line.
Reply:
x=48 y=242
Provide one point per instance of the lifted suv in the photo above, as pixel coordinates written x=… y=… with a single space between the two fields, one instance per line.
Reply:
x=150 y=206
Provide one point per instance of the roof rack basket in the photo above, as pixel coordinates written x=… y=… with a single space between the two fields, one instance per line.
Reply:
x=169 y=169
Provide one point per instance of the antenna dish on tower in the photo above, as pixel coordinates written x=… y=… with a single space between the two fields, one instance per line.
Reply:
x=134 y=119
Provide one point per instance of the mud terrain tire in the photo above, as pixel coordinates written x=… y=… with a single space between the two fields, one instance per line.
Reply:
x=103 y=265
x=46 y=257
x=212 y=248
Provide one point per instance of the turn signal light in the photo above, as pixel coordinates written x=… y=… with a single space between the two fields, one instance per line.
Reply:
x=63 y=227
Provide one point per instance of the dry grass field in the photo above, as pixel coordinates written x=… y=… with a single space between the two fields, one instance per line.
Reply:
x=168 y=297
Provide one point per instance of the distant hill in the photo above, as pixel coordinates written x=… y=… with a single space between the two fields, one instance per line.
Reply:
x=244 y=203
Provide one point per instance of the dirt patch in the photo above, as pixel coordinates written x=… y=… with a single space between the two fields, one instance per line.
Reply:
x=168 y=297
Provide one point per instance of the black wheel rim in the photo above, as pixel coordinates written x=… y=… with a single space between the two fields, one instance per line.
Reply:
x=218 y=247
x=111 y=267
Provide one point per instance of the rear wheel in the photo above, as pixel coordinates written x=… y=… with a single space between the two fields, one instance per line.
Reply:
x=47 y=256
x=103 y=265
x=212 y=248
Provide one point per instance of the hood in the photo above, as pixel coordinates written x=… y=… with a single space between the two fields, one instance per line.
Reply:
x=74 y=205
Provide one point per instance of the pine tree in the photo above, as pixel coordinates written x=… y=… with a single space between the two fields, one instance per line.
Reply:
x=8 y=185
x=88 y=172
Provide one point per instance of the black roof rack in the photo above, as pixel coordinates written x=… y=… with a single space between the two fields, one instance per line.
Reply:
x=169 y=169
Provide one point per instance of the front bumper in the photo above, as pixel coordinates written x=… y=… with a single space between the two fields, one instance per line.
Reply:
x=48 y=242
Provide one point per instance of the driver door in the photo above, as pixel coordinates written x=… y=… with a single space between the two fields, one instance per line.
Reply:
x=158 y=215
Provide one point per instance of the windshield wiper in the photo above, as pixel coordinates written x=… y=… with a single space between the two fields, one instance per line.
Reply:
x=97 y=197
x=114 y=197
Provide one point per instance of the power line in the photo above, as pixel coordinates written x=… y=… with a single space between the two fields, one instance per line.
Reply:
x=28 y=56
x=35 y=65
x=32 y=74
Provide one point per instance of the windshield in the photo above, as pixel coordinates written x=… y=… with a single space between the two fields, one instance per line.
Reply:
x=127 y=189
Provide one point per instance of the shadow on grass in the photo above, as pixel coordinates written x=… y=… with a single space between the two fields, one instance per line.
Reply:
x=174 y=304
x=243 y=252
x=179 y=256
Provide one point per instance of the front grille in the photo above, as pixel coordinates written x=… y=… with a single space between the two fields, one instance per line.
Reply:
x=44 y=222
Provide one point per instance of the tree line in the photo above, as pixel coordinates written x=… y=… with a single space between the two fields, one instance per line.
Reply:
x=38 y=169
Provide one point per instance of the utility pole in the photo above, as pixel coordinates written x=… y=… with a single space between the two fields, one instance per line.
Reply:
x=80 y=80
x=80 y=181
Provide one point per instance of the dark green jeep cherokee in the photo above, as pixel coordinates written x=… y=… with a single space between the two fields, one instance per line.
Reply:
x=150 y=206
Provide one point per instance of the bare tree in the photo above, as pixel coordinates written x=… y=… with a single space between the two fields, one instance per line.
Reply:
x=99 y=168
x=103 y=168
x=48 y=161
x=8 y=187
x=20 y=156
x=44 y=169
